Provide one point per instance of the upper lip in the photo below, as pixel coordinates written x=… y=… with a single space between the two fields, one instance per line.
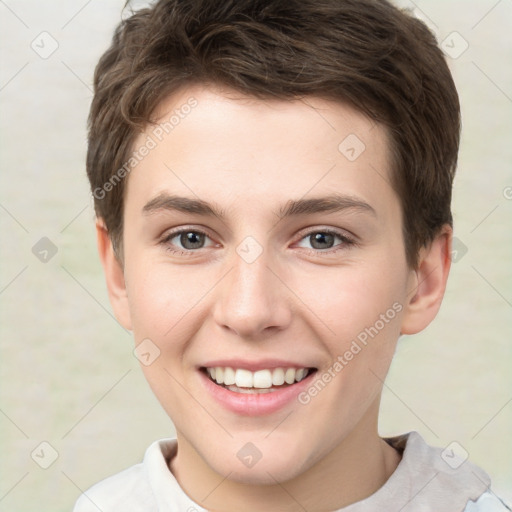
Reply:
x=261 y=364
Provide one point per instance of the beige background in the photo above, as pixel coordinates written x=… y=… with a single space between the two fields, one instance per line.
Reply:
x=68 y=375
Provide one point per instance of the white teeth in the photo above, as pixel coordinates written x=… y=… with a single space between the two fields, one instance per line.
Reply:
x=299 y=374
x=289 y=376
x=243 y=378
x=278 y=377
x=261 y=379
x=219 y=375
x=229 y=376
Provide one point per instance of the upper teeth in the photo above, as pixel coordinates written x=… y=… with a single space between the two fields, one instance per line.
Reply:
x=260 y=379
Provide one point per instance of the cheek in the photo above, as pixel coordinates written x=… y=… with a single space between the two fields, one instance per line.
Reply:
x=347 y=300
x=361 y=316
x=363 y=313
x=162 y=298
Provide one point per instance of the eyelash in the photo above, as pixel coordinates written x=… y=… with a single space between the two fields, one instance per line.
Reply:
x=346 y=241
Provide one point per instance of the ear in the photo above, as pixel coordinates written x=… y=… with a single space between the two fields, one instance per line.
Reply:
x=427 y=283
x=114 y=276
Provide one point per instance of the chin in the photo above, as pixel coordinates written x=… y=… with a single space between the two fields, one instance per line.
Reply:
x=263 y=475
x=267 y=470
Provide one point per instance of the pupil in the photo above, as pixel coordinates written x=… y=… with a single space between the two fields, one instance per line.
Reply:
x=322 y=238
x=191 y=240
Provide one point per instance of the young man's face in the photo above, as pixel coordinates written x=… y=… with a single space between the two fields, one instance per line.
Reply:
x=261 y=291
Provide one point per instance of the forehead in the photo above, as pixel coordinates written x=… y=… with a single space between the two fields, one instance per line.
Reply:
x=217 y=143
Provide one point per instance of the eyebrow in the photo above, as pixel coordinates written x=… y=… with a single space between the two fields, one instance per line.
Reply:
x=332 y=203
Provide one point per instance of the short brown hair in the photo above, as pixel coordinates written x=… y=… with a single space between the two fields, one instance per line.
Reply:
x=367 y=53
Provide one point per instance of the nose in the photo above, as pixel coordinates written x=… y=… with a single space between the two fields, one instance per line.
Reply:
x=252 y=301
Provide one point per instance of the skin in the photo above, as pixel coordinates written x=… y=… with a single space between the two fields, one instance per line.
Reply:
x=249 y=157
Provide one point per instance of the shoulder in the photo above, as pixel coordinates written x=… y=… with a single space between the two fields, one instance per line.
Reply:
x=449 y=466
x=127 y=491
x=487 y=502
x=443 y=477
x=132 y=489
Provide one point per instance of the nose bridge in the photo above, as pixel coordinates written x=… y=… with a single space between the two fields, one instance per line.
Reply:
x=251 y=299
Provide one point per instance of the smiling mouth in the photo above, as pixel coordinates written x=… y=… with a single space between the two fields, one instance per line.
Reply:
x=262 y=381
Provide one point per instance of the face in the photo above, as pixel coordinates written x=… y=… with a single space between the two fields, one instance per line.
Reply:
x=264 y=237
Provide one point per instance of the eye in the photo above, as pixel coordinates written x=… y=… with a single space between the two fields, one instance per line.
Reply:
x=324 y=240
x=188 y=241
x=185 y=241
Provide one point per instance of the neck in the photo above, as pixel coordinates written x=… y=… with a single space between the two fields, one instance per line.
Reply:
x=354 y=470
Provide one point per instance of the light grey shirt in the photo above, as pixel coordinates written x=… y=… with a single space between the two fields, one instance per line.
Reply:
x=427 y=479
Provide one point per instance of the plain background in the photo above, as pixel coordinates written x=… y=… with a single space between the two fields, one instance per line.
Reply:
x=68 y=374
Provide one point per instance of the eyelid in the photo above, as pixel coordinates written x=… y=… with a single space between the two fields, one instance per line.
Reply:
x=179 y=229
x=342 y=233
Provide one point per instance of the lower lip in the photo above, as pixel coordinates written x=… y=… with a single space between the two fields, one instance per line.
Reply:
x=255 y=404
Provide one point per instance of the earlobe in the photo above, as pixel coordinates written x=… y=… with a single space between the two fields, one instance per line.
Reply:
x=427 y=283
x=114 y=276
